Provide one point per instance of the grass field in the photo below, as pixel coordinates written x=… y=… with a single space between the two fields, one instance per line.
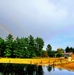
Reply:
x=28 y=61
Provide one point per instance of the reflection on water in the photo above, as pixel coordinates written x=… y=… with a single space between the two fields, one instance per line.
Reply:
x=13 y=69
x=49 y=68
x=39 y=70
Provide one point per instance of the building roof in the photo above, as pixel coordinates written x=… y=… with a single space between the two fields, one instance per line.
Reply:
x=67 y=53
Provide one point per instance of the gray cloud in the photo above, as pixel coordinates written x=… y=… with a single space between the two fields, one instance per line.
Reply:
x=49 y=19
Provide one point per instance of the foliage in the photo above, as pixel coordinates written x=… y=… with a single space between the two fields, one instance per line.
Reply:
x=21 y=47
x=59 y=55
x=49 y=49
x=31 y=45
x=44 y=53
x=27 y=54
x=2 y=47
x=39 y=43
x=60 y=52
x=69 y=49
x=9 y=46
x=52 y=53
x=28 y=47
x=7 y=52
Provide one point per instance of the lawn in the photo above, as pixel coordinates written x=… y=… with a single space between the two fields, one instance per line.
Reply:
x=28 y=60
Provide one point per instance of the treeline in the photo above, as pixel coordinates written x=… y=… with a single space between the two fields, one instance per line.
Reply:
x=28 y=47
x=54 y=53
x=57 y=53
x=21 y=47
x=69 y=49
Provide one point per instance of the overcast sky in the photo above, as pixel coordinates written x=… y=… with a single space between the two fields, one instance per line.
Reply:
x=52 y=20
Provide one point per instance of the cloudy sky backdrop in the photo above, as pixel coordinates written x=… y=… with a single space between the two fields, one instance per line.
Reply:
x=52 y=20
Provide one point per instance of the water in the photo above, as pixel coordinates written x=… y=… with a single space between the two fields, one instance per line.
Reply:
x=57 y=71
x=13 y=69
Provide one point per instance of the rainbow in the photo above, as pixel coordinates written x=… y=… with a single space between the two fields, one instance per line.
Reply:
x=6 y=30
x=22 y=27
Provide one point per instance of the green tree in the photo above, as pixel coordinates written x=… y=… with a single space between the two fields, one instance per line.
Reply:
x=52 y=53
x=19 y=48
x=7 y=52
x=9 y=46
x=39 y=43
x=49 y=49
x=19 y=53
x=44 y=53
x=67 y=49
x=60 y=52
x=73 y=50
x=2 y=46
x=27 y=53
x=26 y=49
x=70 y=49
x=31 y=46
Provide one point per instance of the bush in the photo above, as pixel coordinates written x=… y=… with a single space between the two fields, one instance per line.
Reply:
x=59 y=55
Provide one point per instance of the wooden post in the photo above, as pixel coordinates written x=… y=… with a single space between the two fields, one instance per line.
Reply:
x=49 y=61
x=9 y=61
x=30 y=62
x=61 y=61
x=41 y=62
